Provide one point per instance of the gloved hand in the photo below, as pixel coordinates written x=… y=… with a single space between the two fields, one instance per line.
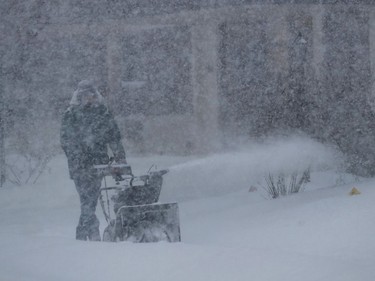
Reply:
x=121 y=161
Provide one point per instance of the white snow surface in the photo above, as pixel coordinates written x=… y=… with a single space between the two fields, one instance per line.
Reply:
x=228 y=232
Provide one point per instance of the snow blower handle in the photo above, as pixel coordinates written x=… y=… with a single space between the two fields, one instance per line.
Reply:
x=114 y=170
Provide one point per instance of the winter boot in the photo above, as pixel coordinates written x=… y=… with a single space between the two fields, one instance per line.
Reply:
x=81 y=233
x=94 y=235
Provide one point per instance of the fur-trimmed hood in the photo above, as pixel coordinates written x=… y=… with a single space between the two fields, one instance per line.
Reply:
x=85 y=87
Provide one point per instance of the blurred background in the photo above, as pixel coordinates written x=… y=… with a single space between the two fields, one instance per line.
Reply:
x=191 y=77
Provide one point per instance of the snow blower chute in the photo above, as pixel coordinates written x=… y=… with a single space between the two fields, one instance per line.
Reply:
x=138 y=215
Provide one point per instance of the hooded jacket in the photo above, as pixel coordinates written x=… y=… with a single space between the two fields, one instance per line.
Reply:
x=86 y=131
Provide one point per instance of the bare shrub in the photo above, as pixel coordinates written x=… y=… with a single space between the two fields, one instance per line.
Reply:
x=25 y=169
x=282 y=184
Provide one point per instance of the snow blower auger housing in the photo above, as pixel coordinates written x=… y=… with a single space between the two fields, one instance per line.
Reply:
x=138 y=215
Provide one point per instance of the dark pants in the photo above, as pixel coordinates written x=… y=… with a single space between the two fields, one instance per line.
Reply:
x=88 y=187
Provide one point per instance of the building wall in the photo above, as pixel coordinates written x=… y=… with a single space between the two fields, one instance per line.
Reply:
x=189 y=77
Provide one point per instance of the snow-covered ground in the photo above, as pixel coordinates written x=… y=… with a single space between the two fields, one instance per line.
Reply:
x=228 y=232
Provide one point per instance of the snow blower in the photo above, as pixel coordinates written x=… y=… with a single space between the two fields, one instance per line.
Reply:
x=138 y=215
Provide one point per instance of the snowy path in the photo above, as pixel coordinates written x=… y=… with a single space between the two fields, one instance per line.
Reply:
x=311 y=236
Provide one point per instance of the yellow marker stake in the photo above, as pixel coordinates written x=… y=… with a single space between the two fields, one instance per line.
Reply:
x=354 y=191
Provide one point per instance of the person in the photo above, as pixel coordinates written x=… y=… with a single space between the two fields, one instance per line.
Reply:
x=87 y=130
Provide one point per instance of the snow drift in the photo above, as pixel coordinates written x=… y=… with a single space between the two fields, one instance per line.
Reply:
x=228 y=233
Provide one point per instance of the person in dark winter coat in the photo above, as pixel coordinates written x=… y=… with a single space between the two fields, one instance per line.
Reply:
x=87 y=130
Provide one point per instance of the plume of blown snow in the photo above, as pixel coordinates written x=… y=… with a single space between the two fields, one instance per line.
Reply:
x=237 y=170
